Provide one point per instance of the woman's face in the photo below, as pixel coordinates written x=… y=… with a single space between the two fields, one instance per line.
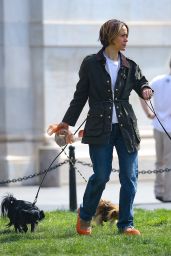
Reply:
x=120 y=42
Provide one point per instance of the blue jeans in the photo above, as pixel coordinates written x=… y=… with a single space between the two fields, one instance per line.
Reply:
x=101 y=157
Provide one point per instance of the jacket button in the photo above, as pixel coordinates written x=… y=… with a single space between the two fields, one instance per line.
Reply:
x=119 y=115
x=101 y=115
x=116 y=89
x=121 y=125
x=117 y=106
x=109 y=90
x=108 y=81
x=108 y=116
x=110 y=107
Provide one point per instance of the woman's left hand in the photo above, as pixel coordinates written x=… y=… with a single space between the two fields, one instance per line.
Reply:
x=147 y=93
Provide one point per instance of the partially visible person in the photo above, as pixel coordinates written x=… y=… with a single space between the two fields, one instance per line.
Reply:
x=162 y=106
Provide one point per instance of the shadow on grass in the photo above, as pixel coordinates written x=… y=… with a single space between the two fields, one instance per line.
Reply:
x=5 y=231
x=9 y=236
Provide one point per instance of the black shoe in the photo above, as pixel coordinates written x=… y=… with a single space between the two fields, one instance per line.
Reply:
x=161 y=199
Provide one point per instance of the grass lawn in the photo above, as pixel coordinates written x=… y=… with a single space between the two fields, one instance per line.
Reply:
x=56 y=235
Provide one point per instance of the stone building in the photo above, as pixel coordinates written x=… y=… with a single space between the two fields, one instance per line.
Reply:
x=42 y=44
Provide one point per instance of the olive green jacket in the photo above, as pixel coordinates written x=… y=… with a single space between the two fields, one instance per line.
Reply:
x=95 y=86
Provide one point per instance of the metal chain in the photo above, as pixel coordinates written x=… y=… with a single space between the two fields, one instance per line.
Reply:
x=76 y=161
x=140 y=172
x=154 y=171
x=32 y=175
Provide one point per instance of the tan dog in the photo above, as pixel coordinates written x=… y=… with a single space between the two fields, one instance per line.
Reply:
x=106 y=211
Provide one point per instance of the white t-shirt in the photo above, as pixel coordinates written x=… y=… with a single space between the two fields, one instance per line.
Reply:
x=112 y=68
x=162 y=101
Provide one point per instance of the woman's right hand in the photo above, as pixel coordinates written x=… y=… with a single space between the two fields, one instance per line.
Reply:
x=58 y=128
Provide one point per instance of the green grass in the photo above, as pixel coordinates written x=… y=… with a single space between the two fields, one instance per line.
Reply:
x=56 y=235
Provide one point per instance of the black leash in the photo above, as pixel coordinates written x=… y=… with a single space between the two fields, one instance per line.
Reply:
x=152 y=109
x=62 y=150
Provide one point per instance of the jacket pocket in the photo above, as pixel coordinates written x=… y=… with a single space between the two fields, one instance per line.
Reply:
x=95 y=122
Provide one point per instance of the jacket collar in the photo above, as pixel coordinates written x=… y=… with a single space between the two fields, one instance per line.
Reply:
x=100 y=57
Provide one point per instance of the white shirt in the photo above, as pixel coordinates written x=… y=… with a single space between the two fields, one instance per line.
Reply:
x=162 y=101
x=112 y=68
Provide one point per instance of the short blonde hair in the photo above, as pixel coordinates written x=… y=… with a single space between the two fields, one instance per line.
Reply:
x=110 y=30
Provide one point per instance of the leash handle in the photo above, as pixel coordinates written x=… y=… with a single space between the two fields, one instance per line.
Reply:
x=62 y=150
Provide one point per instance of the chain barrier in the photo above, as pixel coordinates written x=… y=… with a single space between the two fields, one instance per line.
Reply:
x=32 y=175
x=78 y=162
x=140 y=172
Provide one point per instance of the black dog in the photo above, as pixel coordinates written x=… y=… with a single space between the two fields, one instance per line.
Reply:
x=20 y=213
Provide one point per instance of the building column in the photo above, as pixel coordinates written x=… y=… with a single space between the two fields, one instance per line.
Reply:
x=21 y=87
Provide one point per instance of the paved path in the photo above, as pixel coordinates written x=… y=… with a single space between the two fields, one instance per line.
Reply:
x=58 y=198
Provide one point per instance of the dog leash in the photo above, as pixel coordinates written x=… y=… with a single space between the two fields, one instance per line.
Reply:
x=153 y=110
x=75 y=167
x=62 y=150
